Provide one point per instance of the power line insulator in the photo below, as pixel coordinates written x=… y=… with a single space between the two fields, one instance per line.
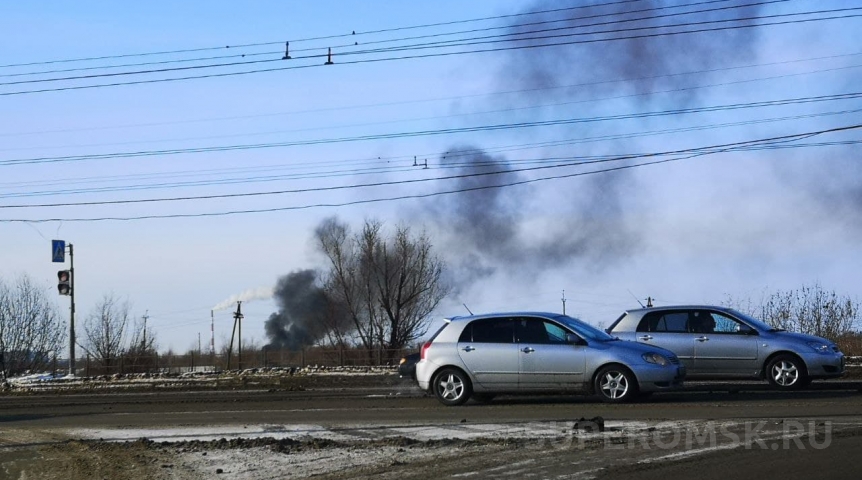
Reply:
x=286 y=51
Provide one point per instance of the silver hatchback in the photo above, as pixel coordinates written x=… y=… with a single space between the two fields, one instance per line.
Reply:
x=718 y=342
x=479 y=356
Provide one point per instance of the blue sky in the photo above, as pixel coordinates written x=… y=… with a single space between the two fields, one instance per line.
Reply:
x=696 y=230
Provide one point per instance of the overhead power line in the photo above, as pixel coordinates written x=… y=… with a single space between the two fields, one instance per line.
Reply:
x=463 y=52
x=438 y=117
x=307 y=39
x=677 y=155
x=443 y=99
x=402 y=39
x=422 y=133
x=383 y=165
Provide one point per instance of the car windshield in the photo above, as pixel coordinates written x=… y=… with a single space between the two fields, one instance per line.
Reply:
x=585 y=330
x=757 y=324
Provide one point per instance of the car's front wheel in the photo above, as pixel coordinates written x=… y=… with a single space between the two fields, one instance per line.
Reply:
x=786 y=372
x=616 y=384
x=451 y=386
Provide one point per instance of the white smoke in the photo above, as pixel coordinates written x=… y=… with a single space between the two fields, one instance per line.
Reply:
x=261 y=293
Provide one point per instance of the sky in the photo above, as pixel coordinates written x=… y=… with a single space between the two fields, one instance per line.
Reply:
x=636 y=161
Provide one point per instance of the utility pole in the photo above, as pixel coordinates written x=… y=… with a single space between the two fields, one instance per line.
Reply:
x=144 y=340
x=649 y=302
x=72 y=312
x=212 y=336
x=236 y=322
x=564 y=302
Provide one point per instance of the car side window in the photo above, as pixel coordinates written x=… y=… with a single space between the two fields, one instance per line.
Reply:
x=491 y=330
x=701 y=321
x=556 y=333
x=671 y=322
x=535 y=330
x=725 y=324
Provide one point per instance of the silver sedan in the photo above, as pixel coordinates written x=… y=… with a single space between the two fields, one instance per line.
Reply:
x=718 y=342
x=479 y=356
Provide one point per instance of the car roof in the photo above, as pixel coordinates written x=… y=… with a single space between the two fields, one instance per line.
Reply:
x=677 y=307
x=464 y=318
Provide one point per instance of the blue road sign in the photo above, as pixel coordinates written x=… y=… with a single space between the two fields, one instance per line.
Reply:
x=58 y=251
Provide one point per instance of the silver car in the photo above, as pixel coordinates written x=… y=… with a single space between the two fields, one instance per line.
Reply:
x=481 y=355
x=717 y=342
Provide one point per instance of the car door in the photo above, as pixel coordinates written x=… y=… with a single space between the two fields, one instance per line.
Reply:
x=723 y=347
x=547 y=361
x=669 y=329
x=488 y=349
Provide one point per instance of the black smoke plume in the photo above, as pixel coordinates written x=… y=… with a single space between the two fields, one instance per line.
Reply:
x=305 y=314
x=637 y=66
x=586 y=221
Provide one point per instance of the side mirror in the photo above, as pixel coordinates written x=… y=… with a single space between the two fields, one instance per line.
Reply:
x=574 y=339
x=745 y=330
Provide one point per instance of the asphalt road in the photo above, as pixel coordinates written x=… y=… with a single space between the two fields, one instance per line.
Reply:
x=672 y=441
x=404 y=405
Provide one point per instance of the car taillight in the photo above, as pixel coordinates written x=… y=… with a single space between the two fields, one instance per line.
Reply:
x=424 y=349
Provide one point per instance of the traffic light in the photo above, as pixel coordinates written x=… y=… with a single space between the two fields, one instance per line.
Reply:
x=65 y=282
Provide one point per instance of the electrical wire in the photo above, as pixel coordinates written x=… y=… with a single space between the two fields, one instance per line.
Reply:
x=444 y=43
x=437 y=99
x=326 y=37
x=687 y=154
x=439 y=117
x=371 y=170
x=441 y=54
x=422 y=133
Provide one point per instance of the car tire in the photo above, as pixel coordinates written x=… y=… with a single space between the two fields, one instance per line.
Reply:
x=615 y=384
x=452 y=387
x=786 y=372
x=483 y=397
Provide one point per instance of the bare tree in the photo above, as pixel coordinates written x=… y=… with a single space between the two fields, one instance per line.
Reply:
x=31 y=333
x=141 y=355
x=810 y=309
x=106 y=329
x=389 y=286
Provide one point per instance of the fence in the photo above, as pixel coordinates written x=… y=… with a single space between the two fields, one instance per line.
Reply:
x=262 y=358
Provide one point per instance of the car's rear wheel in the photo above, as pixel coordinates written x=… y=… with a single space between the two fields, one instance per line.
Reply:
x=452 y=386
x=787 y=372
x=616 y=384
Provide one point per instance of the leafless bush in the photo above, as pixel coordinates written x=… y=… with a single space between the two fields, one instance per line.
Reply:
x=810 y=309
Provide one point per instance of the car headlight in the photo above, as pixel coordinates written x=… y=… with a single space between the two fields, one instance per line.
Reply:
x=819 y=347
x=656 y=359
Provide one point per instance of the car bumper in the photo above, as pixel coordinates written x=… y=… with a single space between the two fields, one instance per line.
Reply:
x=657 y=378
x=424 y=370
x=824 y=365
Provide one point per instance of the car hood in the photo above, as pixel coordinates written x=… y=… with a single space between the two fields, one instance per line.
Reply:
x=638 y=348
x=800 y=337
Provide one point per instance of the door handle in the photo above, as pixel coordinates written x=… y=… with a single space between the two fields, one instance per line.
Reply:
x=646 y=337
x=702 y=339
x=468 y=348
x=527 y=350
